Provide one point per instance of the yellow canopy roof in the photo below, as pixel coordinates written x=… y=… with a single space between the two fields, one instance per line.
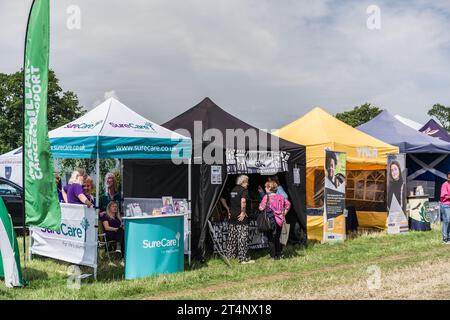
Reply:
x=318 y=130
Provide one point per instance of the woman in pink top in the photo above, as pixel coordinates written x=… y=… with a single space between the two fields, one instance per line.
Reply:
x=445 y=210
x=276 y=207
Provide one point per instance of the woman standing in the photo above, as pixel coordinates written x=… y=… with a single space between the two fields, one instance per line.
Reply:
x=75 y=192
x=112 y=224
x=276 y=207
x=88 y=188
x=110 y=194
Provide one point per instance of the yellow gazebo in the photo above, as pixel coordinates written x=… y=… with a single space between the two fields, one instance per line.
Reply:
x=366 y=167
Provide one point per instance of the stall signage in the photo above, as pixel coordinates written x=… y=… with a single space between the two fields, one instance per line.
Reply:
x=335 y=181
x=260 y=162
x=153 y=246
x=75 y=241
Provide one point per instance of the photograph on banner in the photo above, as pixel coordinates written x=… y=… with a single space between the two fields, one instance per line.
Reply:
x=335 y=181
x=167 y=207
x=397 y=221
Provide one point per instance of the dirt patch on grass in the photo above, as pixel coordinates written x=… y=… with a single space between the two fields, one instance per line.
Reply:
x=280 y=277
x=424 y=280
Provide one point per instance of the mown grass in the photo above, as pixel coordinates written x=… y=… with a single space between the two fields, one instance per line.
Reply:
x=311 y=268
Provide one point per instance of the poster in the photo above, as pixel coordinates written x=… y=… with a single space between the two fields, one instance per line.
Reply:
x=259 y=162
x=419 y=213
x=335 y=181
x=216 y=175
x=397 y=221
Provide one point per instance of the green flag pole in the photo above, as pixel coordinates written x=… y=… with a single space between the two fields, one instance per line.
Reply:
x=42 y=207
x=24 y=233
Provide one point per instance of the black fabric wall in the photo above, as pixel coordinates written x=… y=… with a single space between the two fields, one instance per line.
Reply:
x=154 y=179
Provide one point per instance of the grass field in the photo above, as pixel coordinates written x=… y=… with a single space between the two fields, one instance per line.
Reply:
x=411 y=266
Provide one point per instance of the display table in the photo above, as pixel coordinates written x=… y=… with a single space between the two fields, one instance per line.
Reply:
x=153 y=245
x=419 y=219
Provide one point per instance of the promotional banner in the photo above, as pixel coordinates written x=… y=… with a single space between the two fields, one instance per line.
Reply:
x=153 y=245
x=75 y=242
x=260 y=162
x=419 y=213
x=9 y=251
x=397 y=222
x=41 y=199
x=334 y=198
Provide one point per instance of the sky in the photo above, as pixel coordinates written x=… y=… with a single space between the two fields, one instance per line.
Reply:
x=267 y=62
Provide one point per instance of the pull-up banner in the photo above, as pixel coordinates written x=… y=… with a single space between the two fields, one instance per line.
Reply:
x=335 y=181
x=397 y=221
x=260 y=162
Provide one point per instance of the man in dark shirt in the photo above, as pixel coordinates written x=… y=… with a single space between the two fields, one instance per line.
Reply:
x=238 y=223
x=239 y=204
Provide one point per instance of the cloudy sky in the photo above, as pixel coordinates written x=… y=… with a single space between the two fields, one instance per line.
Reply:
x=266 y=61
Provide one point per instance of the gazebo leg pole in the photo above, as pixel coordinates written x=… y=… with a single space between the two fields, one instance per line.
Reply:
x=189 y=207
x=97 y=183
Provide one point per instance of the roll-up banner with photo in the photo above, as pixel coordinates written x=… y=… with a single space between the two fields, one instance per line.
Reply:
x=397 y=221
x=335 y=180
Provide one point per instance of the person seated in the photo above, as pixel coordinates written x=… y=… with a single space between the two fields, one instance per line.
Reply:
x=75 y=192
x=112 y=224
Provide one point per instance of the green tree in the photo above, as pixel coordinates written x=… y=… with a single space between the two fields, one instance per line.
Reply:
x=359 y=115
x=442 y=114
x=63 y=107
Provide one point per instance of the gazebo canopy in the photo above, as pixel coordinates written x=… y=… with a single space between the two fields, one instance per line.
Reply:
x=318 y=130
x=112 y=130
x=390 y=130
x=434 y=129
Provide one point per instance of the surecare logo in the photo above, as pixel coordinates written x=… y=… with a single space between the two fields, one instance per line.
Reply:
x=163 y=243
x=82 y=125
x=130 y=125
x=71 y=231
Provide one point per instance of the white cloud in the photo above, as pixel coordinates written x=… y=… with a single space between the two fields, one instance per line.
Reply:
x=265 y=61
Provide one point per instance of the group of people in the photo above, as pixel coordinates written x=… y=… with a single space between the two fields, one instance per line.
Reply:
x=79 y=190
x=274 y=203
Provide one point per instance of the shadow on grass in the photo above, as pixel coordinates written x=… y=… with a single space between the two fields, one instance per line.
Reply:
x=31 y=274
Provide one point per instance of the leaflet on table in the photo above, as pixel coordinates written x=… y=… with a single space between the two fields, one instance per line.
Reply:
x=138 y=207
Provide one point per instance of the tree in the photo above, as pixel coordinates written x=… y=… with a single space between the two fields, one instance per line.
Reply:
x=442 y=114
x=359 y=115
x=63 y=107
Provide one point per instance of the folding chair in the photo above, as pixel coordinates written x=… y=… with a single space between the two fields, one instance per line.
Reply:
x=102 y=240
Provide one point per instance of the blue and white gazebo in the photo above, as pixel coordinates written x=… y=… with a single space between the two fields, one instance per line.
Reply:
x=114 y=131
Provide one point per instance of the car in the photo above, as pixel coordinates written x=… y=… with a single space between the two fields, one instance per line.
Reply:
x=11 y=194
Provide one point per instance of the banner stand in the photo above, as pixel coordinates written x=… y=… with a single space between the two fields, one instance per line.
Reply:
x=76 y=242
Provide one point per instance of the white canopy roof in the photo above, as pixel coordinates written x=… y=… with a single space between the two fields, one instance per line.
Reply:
x=117 y=132
x=410 y=123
